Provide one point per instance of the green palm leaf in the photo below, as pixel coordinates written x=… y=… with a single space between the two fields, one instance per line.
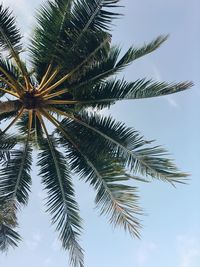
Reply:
x=9 y=34
x=15 y=178
x=64 y=29
x=61 y=201
x=107 y=93
x=7 y=143
x=93 y=14
x=7 y=116
x=116 y=200
x=51 y=19
x=8 y=237
x=113 y=64
x=130 y=147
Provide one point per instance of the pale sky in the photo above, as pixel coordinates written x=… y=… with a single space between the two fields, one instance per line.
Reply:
x=171 y=232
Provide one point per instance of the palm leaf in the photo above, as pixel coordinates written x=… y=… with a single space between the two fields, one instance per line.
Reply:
x=9 y=33
x=96 y=48
x=10 y=39
x=130 y=147
x=78 y=59
x=7 y=115
x=51 y=21
x=93 y=14
x=8 y=237
x=107 y=93
x=6 y=144
x=115 y=199
x=64 y=29
x=15 y=178
x=61 y=202
x=113 y=65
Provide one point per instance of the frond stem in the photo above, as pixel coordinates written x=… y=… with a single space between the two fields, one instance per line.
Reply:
x=11 y=86
x=45 y=77
x=61 y=102
x=52 y=152
x=47 y=83
x=56 y=94
x=9 y=92
x=24 y=154
x=14 y=120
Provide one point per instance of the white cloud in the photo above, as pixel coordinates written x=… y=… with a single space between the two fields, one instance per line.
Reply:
x=188 y=250
x=172 y=102
x=145 y=252
x=48 y=262
x=35 y=240
x=169 y=98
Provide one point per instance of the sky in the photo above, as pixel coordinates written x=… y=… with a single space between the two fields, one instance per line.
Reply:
x=171 y=225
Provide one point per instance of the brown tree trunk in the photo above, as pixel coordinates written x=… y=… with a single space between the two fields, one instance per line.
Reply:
x=9 y=106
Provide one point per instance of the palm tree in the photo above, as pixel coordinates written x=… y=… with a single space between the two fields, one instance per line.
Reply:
x=73 y=67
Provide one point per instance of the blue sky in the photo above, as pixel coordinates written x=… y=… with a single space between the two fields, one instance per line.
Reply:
x=171 y=233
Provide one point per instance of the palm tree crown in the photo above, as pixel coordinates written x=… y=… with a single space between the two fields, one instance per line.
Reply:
x=73 y=66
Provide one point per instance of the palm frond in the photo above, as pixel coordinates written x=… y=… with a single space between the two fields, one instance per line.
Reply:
x=116 y=200
x=135 y=53
x=7 y=143
x=98 y=46
x=112 y=65
x=107 y=93
x=10 y=40
x=61 y=200
x=79 y=59
x=130 y=147
x=51 y=25
x=7 y=115
x=63 y=30
x=93 y=15
x=37 y=131
x=8 y=238
x=10 y=37
x=15 y=176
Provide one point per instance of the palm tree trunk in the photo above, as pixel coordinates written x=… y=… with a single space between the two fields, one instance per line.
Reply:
x=9 y=106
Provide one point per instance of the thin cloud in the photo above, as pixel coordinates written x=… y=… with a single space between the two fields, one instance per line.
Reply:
x=34 y=242
x=188 y=250
x=48 y=262
x=172 y=102
x=145 y=252
x=169 y=99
